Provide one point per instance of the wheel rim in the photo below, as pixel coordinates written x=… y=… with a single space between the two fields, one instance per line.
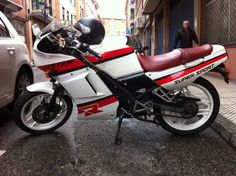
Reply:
x=33 y=103
x=23 y=82
x=206 y=106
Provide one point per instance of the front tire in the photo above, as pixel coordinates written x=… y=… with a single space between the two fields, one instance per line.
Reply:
x=28 y=112
x=208 y=110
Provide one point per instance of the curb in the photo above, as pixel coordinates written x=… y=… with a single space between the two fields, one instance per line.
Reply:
x=226 y=129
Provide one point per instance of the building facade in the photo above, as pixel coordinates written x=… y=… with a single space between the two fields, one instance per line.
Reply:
x=24 y=13
x=90 y=8
x=17 y=18
x=17 y=11
x=129 y=14
x=212 y=20
x=66 y=10
x=114 y=26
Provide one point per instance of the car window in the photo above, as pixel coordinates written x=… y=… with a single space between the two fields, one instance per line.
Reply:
x=3 y=30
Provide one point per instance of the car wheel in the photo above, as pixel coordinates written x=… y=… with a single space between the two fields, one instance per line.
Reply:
x=23 y=80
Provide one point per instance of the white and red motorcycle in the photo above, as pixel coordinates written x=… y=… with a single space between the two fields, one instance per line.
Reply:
x=166 y=89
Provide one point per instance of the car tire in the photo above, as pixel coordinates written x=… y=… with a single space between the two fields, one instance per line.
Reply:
x=23 y=80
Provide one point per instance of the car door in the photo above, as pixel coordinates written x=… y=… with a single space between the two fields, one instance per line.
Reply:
x=7 y=64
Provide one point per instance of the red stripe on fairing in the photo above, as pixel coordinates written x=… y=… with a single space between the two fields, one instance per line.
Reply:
x=93 y=108
x=188 y=71
x=77 y=64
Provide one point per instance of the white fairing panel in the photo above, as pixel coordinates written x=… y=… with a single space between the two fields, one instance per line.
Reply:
x=183 y=75
x=123 y=66
x=84 y=85
x=92 y=97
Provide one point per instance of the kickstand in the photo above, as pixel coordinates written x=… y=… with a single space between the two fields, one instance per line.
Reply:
x=118 y=139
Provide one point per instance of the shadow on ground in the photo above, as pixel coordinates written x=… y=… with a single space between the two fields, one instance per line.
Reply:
x=5 y=115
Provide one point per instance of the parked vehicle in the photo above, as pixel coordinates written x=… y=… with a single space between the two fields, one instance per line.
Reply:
x=15 y=68
x=166 y=89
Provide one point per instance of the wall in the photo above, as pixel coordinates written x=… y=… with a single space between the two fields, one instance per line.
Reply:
x=231 y=62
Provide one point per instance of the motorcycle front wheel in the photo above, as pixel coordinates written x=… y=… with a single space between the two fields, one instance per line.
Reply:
x=208 y=109
x=31 y=114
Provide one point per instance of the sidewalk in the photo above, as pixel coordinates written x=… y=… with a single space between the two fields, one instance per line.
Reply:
x=225 y=123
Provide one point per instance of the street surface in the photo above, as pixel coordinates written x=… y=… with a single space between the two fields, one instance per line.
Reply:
x=86 y=148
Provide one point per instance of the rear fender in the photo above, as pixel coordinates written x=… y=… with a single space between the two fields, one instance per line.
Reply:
x=223 y=71
x=46 y=87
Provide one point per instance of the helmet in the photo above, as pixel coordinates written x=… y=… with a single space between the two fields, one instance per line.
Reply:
x=92 y=30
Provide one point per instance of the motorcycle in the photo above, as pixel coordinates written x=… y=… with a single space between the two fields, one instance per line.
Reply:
x=167 y=90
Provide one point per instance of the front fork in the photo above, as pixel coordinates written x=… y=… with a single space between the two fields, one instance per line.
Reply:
x=57 y=90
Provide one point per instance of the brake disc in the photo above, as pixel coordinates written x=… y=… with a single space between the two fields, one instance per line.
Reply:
x=41 y=114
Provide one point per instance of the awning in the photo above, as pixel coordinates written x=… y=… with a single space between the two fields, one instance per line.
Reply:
x=10 y=5
x=150 y=6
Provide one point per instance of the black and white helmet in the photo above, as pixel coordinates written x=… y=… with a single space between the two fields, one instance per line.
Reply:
x=92 y=31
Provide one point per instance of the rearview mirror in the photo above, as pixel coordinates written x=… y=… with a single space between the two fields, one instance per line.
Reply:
x=36 y=30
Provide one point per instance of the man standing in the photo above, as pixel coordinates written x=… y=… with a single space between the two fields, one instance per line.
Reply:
x=186 y=36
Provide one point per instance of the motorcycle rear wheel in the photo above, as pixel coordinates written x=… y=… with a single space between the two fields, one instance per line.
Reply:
x=208 y=110
x=28 y=112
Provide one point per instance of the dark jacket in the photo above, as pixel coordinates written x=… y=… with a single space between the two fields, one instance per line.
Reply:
x=185 y=38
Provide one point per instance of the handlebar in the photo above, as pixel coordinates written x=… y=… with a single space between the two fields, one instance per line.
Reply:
x=71 y=41
x=85 y=48
x=94 y=52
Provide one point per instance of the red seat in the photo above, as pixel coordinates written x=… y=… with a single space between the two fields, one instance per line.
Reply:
x=173 y=58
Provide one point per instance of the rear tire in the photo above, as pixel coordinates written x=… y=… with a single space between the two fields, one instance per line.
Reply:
x=26 y=103
x=209 y=119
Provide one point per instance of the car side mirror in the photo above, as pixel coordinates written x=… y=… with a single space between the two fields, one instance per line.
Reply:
x=36 y=30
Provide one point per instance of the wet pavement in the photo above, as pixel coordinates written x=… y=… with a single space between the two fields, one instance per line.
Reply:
x=86 y=148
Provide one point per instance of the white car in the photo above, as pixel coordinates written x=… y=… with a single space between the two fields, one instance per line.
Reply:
x=15 y=68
